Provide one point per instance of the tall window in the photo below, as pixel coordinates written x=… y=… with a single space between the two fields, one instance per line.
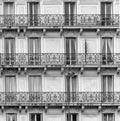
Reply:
x=9 y=8
x=72 y=117
x=9 y=51
x=108 y=117
x=11 y=117
x=69 y=13
x=35 y=117
x=10 y=84
x=35 y=83
x=107 y=83
x=106 y=11
x=107 y=87
x=34 y=49
x=10 y=89
x=107 y=50
x=33 y=13
x=71 y=50
x=9 y=11
x=71 y=87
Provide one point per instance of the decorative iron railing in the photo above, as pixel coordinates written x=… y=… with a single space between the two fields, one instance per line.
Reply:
x=59 y=59
x=58 y=20
x=60 y=97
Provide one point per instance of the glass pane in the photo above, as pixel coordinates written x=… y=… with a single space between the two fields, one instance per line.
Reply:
x=38 y=117
x=32 y=117
x=35 y=84
x=10 y=84
x=74 y=117
x=110 y=84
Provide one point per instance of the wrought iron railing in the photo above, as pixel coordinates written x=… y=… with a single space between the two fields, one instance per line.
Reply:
x=60 y=97
x=59 y=59
x=58 y=20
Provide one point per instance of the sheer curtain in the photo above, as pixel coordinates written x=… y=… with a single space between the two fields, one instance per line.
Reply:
x=9 y=45
x=108 y=83
x=11 y=117
x=9 y=8
x=34 y=45
x=35 y=84
x=10 y=84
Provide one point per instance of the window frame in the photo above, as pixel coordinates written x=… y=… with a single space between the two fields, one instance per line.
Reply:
x=15 y=114
x=107 y=114
x=41 y=116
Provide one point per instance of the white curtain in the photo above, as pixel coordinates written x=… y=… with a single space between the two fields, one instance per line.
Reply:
x=10 y=84
x=32 y=8
x=71 y=84
x=108 y=83
x=9 y=45
x=35 y=84
x=34 y=45
x=9 y=8
x=107 y=45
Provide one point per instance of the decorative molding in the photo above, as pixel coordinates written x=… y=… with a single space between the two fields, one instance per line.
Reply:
x=107 y=34
x=33 y=0
x=8 y=0
x=33 y=33
x=52 y=2
x=70 y=34
x=108 y=109
x=8 y=34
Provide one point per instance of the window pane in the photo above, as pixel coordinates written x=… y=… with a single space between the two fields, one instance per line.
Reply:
x=11 y=117
x=38 y=117
x=10 y=84
x=35 y=84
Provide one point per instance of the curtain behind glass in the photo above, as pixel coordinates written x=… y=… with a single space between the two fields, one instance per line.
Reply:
x=34 y=45
x=9 y=45
x=9 y=8
x=35 y=84
x=10 y=84
x=107 y=83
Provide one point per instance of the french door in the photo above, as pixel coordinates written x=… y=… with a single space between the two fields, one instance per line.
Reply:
x=34 y=50
x=107 y=50
x=35 y=117
x=71 y=50
x=33 y=13
x=108 y=87
x=72 y=117
x=106 y=13
x=11 y=117
x=35 y=87
x=69 y=13
x=108 y=117
x=71 y=88
x=10 y=51
x=10 y=88
x=9 y=12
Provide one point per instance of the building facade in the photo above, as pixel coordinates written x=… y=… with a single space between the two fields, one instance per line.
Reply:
x=59 y=60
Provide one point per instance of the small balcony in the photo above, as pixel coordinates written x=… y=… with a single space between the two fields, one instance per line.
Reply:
x=59 y=98
x=59 y=20
x=59 y=59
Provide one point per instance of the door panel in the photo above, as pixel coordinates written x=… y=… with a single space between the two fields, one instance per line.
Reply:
x=107 y=50
x=34 y=50
x=106 y=12
x=107 y=88
x=69 y=13
x=9 y=11
x=70 y=51
x=33 y=13
x=10 y=56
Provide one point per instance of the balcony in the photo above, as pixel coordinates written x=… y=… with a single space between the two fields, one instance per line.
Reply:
x=59 y=98
x=59 y=20
x=59 y=59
